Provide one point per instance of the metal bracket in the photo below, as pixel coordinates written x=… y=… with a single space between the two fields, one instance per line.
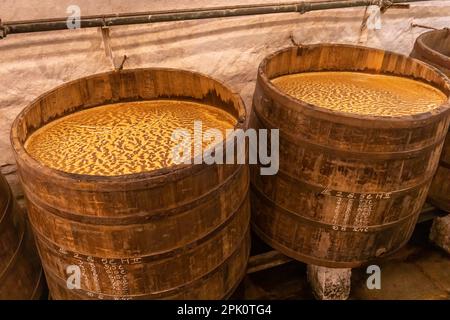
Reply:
x=3 y=30
x=104 y=22
x=303 y=7
x=120 y=68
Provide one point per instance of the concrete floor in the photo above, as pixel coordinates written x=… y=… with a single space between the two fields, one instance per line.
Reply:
x=418 y=271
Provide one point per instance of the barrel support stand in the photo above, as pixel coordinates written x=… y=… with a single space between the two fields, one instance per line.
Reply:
x=329 y=283
x=440 y=232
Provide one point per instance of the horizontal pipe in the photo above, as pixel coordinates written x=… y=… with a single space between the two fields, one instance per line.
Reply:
x=16 y=27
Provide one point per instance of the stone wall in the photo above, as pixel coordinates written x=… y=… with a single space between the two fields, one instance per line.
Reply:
x=229 y=49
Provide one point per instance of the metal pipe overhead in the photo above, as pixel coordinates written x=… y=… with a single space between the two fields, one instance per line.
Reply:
x=15 y=27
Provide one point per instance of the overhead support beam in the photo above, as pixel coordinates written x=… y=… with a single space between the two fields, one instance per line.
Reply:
x=29 y=26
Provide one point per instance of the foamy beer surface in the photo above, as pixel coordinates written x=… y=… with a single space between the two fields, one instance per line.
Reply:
x=362 y=93
x=123 y=138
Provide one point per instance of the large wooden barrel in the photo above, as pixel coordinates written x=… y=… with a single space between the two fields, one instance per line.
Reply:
x=21 y=276
x=181 y=232
x=349 y=187
x=433 y=47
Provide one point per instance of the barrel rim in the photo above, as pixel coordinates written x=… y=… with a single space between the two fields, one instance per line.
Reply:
x=352 y=118
x=180 y=170
x=428 y=52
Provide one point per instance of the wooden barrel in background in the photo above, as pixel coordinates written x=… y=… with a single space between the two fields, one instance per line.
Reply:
x=350 y=187
x=176 y=233
x=433 y=47
x=21 y=276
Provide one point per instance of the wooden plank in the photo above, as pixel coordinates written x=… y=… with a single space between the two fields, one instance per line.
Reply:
x=429 y=212
x=266 y=261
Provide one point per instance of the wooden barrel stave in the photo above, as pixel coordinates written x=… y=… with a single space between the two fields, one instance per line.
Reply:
x=23 y=275
x=439 y=194
x=10 y=236
x=310 y=241
x=433 y=48
x=20 y=270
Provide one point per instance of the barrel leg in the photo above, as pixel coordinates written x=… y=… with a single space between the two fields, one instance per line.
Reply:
x=440 y=232
x=329 y=283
